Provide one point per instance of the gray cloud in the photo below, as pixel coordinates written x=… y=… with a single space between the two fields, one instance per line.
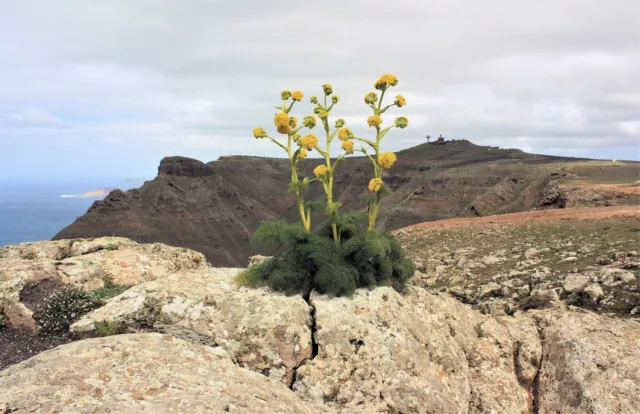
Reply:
x=194 y=77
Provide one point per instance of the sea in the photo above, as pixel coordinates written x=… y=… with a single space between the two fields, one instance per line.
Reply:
x=35 y=209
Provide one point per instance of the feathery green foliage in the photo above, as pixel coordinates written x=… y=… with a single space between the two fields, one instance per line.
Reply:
x=313 y=261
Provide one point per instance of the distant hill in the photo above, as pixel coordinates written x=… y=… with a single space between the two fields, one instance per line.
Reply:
x=215 y=207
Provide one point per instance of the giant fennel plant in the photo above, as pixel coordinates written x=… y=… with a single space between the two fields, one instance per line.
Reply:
x=343 y=253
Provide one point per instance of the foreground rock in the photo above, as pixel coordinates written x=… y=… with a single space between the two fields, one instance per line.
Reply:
x=591 y=364
x=382 y=352
x=141 y=373
x=31 y=271
x=218 y=347
x=269 y=333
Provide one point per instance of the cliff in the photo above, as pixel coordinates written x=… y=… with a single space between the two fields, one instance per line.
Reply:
x=215 y=207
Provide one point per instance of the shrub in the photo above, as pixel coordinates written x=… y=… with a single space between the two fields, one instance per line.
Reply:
x=344 y=254
x=108 y=290
x=313 y=261
x=105 y=328
x=60 y=309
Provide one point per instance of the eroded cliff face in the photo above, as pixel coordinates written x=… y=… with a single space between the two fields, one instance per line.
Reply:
x=214 y=208
x=196 y=341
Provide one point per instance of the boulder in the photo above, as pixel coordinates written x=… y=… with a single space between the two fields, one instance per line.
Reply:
x=266 y=332
x=590 y=364
x=31 y=271
x=576 y=282
x=150 y=372
x=382 y=352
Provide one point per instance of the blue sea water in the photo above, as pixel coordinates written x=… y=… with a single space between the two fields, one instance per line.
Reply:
x=32 y=210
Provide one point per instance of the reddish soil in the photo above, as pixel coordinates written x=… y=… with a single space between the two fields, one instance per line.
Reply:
x=627 y=188
x=589 y=213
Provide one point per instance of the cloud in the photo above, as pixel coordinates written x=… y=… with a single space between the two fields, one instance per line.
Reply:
x=34 y=118
x=194 y=77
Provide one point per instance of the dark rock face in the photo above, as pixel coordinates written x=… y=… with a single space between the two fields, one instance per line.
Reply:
x=214 y=208
x=183 y=167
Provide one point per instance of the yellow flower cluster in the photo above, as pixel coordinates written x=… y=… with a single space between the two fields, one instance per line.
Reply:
x=374 y=121
x=309 y=142
x=302 y=154
x=375 y=185
x=297 y=139
x=285 y=95
x=335 y=99
x=323 y=114
x=385 y=81
x=400 y=101
x=309 y=121
x=347 y=146
x=386 y=159
x=297 y=96
x=344 y=134
x=259 y=132
x=371 y=98
x=321 y=171
x=340 y=123
x=293 y=122
x=402 y=122
x=281 y=119
x=328 y=90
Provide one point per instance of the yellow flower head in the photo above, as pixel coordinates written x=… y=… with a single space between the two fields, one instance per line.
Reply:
x=347 y=146
x=302 y=154
x=314 y=100
x=328 y=90
x=309 y=142
x=323 y=114
x=296 y=96
x=371 y=98
x=281 y=119
x=340 y=123
x=285 y=130
x=293 y=122
x=375 y=185
x=374 y=121
x=309 y=121
x=402 y=122
x=344 y=134
x=335 y=99
x=321 y=171
x=285 y=94
x=400 y=101
x=259 y=133
x=386 y=160
x=317 y=109
x=385 y=81
x=297 y=139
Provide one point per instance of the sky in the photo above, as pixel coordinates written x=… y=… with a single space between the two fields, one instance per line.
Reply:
x=97 y=88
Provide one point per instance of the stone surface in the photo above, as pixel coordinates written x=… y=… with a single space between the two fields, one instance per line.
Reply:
x=382 y=352
x=591 y=364
x=150 y=373
x=266 y=332
x=45 y=266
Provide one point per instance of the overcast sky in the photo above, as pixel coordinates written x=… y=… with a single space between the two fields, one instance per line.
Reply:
x=108 y=88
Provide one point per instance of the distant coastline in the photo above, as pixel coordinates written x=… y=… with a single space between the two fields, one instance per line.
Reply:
x=100 y=192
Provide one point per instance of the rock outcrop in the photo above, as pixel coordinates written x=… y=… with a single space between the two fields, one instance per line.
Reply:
x=198 y=342
x=31 y=271
x=149 y=373
x=265 y=332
